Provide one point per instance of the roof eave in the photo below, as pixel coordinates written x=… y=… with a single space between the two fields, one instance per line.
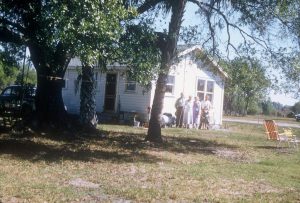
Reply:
x=198 y=47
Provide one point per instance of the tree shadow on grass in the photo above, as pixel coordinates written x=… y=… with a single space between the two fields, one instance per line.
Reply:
x=27 y=149
x=267 y=147
x=136 y=141
x=117 y=147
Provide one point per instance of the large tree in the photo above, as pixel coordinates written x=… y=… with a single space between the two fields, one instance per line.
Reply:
x=214 y=18
x=168 y=47
x=96 y=48
x=50 y=30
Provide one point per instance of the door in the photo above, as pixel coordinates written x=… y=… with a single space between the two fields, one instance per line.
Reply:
x=110 y=92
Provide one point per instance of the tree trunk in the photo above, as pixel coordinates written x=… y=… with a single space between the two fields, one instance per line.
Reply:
x=50 y=69
x=49 y=102
x=168 y=50
x=246 y=106
x=88 y=117
x=154 y=131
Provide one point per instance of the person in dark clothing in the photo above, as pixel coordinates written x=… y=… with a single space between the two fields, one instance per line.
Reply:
x=179 y=105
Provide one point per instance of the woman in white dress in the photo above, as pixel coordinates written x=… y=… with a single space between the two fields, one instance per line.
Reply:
x=196 y=112
x=188 y=113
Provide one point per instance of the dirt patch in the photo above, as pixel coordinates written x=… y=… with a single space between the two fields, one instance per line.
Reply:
x=241 y=188
x=233 y=155
x=12 y=200
x=102 y=198
x=78 y=182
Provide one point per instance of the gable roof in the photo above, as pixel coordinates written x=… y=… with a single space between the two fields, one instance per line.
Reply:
x=182 y=51
x=187 y=49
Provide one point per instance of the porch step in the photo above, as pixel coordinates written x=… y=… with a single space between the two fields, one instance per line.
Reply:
x=106 y=117
x=120 y=118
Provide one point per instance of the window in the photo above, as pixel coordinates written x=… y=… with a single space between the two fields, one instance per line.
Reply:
x=130 y=86
x=7 y=92
x=96 y=77
x=170 y=84
x=205 y=87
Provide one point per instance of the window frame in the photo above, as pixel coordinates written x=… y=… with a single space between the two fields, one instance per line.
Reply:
x=205 y=92
x=130 y=82
x=171 y=84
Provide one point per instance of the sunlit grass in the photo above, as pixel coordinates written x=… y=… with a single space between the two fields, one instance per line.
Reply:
x=264 y=117
x=236 y=164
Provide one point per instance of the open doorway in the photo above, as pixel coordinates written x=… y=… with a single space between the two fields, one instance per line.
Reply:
x=110 y=92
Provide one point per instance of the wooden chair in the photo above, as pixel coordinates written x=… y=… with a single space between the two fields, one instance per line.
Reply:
x=273 y=134
x=291 y=138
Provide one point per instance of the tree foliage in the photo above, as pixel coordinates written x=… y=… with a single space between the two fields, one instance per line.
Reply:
x=29 y=76
x=9 y=69
x=296 y=108
x=55 y=31
x=140 y=53
x=247 y=84
x=278 y=21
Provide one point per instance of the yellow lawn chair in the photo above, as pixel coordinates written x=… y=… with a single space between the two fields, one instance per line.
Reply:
x=273 y=134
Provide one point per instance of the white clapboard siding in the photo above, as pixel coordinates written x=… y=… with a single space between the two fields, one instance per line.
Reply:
x=71 y=100
x=186 y=73
x=137 y=101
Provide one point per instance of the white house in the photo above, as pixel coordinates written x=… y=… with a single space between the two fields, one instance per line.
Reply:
x=189 y=75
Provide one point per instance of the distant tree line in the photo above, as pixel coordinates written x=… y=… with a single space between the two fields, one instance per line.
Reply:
x=246 y=90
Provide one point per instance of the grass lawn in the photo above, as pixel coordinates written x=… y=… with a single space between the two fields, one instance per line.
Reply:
x=264 y=117
x=236 y=164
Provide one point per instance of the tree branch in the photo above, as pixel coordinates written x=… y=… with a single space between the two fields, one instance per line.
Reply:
x=147 y=5
x=7 y=35
x=243 y=33
x=12 y=24
x=161 y=40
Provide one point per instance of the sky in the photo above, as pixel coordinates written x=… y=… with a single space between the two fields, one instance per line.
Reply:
x=284 y=99
x=191 y=19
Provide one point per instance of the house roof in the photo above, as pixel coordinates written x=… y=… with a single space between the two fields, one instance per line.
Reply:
x=182 y=51
x=187 y=49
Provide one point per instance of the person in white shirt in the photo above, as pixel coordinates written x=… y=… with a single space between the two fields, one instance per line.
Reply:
x=188 y=113
x=205 y=107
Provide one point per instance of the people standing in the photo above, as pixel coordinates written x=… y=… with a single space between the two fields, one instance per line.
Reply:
x=179 y=105
x=205 y=107
x=196 y=112
x=188 y=113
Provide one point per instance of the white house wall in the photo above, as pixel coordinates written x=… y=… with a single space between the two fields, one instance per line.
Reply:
x=72 y=99
x=137 y=101
x=187 y=72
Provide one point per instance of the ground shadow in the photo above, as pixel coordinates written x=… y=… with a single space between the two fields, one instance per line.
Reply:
x=27 y=149
x=115 y=147
x=267 y=147
x=277 y=148
x=171 y=143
